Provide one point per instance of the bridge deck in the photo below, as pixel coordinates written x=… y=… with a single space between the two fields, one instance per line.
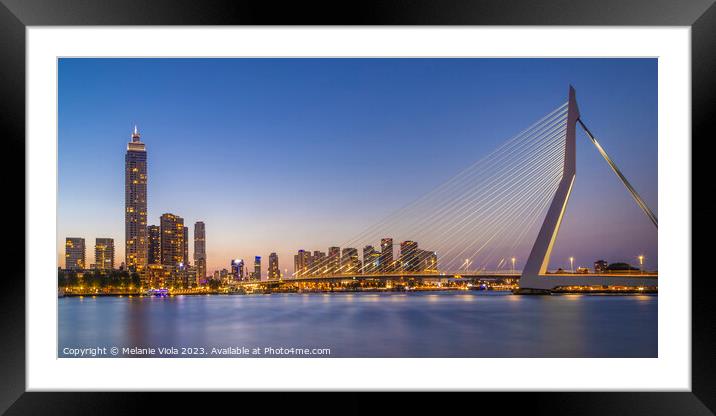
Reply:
x=572 y=278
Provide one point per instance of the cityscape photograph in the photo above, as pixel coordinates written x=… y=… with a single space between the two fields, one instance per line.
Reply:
x=357 y=207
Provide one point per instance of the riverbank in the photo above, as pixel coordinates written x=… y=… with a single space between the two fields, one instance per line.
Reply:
x=257 y=292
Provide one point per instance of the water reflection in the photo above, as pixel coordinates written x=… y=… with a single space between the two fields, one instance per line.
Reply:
x=438 y=324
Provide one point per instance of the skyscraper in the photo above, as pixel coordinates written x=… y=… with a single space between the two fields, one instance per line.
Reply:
x=104 y=253
x=135 y=204
x=74 y=253
x=172 y=240
x=200 y=249
x=386 y=254
x=186 y=246
x=273 y=270
x=237 y=270
x=154 y=256
x=257 y=268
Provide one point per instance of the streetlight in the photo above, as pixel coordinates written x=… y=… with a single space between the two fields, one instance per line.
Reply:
x=513 y=265
x=571 y=264
x=641 y=263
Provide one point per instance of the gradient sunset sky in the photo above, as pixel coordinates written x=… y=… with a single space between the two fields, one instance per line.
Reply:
x=287 y=154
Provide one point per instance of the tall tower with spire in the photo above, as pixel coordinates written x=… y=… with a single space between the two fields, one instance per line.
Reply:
x=135 y=204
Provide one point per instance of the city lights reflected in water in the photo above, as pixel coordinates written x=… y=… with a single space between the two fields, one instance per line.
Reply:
x=428 y=324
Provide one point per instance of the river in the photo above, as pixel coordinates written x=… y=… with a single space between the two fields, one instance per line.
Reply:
x=395 y=324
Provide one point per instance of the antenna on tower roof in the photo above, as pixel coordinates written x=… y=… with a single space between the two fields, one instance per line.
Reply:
x=135 y=134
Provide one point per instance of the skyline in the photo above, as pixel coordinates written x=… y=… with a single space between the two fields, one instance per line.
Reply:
x=279 y=213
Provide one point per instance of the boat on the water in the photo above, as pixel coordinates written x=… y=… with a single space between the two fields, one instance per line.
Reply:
x=161 y=292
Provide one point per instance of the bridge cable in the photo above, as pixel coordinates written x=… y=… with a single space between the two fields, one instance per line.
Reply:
x=624 y=180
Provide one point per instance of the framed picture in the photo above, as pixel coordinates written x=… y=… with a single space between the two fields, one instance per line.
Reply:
x=420 y=197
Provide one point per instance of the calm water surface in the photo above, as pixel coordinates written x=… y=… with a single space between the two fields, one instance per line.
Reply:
x=428 y=324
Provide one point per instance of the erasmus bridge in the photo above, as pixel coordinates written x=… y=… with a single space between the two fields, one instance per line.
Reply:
x=508 y=205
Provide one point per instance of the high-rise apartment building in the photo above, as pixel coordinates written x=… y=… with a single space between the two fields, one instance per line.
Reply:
x=104 y=253
x=302 y=264
x=273 y=270
x=409 y=261
x=172 y=240
x=157 y=276
x=200 y=249
x=74 y=253
x=386 y=254
x=154 y=256
x=186 y=246
x=319 y=265
x=371 y=259
x=428 y=261
x=334 y=259
x=349 y=261
x=135 y=204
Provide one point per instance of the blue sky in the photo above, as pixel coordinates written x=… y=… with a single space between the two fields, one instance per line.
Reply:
x=282 y=154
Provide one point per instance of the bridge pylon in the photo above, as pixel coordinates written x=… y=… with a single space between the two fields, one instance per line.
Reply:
x=535 y=279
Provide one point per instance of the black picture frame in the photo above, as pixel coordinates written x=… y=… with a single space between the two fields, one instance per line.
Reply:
x=16 y=15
